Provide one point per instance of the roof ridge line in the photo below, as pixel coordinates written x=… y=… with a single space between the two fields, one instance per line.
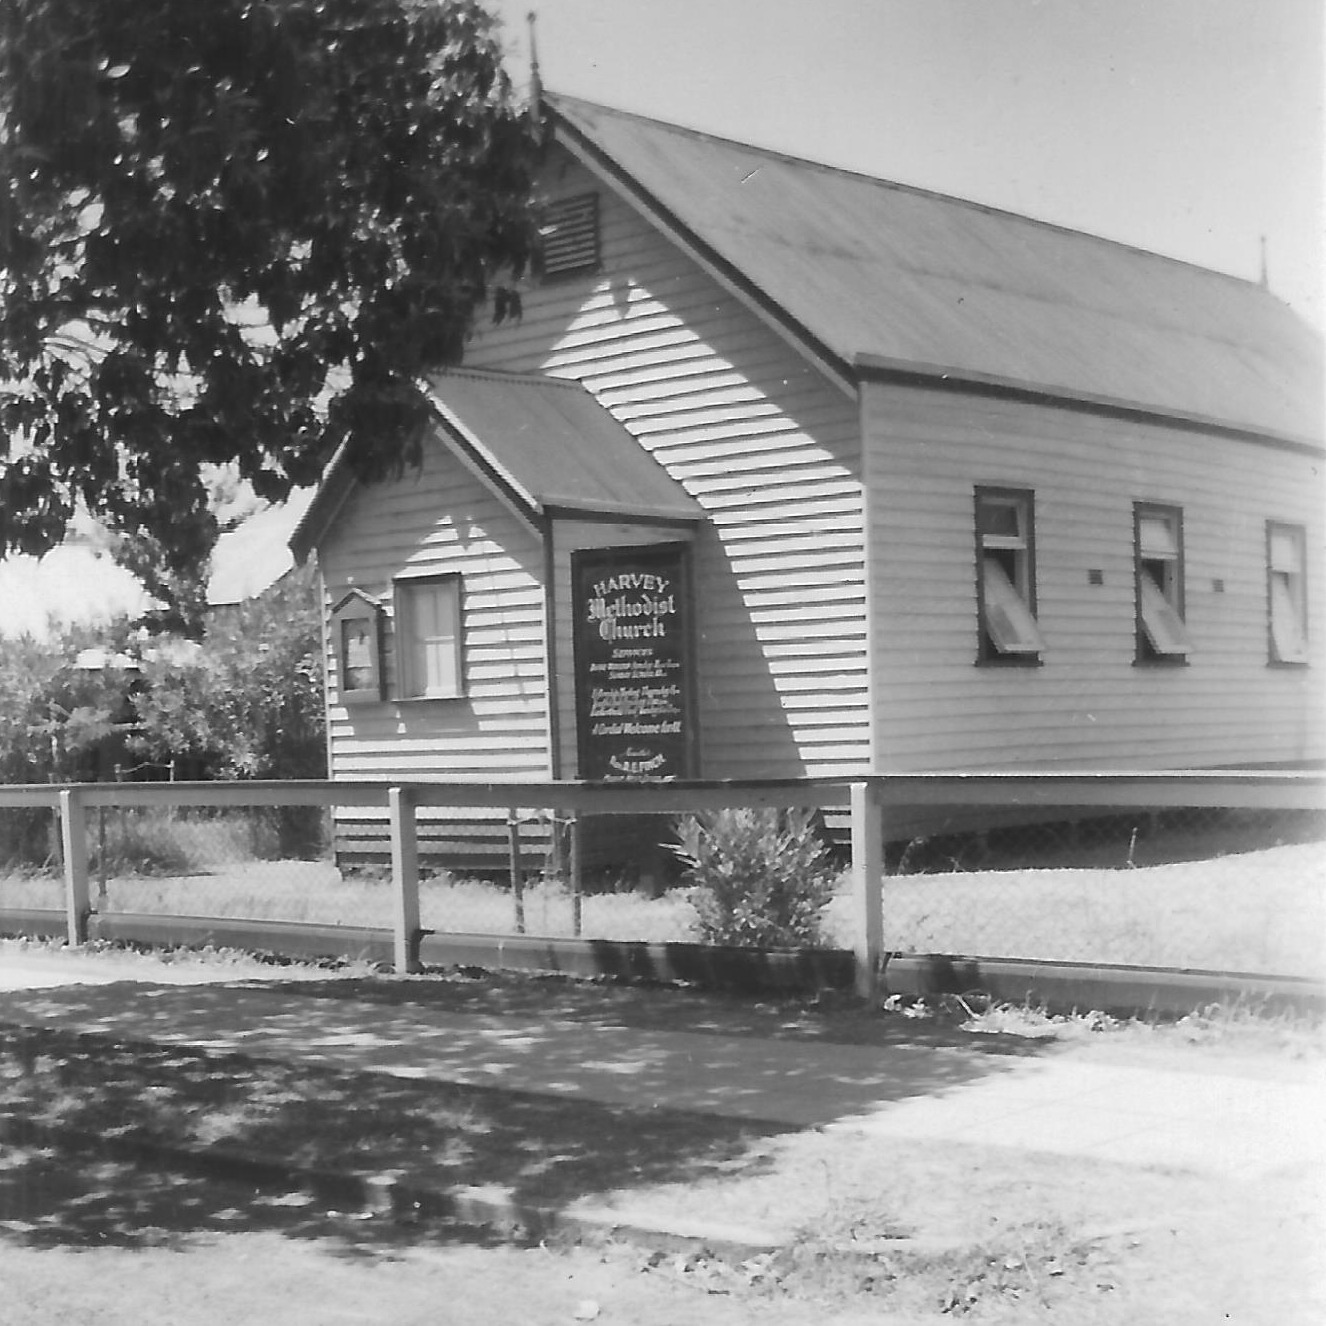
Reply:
x=917 y=189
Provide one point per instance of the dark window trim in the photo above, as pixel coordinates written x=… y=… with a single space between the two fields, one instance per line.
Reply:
x=987 y=654
x=1144 y=655
x=355 y=605
x=1301 y=532
x=399 y=586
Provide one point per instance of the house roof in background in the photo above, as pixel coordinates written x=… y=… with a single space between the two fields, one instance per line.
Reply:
x=889 y=276
x=256 y=554
x=80 y=583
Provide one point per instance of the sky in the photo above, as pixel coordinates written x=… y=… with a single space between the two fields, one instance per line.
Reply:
x=1188 y=127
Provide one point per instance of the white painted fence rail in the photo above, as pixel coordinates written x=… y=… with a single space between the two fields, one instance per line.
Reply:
x=867 y=800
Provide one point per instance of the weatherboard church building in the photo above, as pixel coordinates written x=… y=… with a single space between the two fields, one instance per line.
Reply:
x=789 y=471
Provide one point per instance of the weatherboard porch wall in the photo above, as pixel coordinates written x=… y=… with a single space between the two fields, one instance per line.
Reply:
x=1088 y=703
x=440 y=520
x=766 y=444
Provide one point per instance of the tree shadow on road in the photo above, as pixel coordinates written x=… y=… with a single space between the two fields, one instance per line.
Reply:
x=549 y=1091
x=77 y=1199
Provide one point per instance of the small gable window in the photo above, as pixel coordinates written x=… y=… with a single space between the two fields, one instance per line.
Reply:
x=1006 y=577
x=356 y=631
x=1162 y=635
x=570 y=234
x=1287 y=592
x=428 y=637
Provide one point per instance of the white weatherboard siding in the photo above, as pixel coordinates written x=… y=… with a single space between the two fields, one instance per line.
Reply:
x=1088 y=704
x=766 y=445
x=445 y=521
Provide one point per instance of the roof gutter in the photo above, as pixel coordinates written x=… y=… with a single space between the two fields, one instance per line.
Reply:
x=936 y=377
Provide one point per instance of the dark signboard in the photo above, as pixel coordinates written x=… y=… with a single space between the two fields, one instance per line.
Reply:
x=634 y=700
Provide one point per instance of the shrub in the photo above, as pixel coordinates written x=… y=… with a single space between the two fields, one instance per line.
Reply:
x=142 y=843
x=761 y=878
x=29 y=838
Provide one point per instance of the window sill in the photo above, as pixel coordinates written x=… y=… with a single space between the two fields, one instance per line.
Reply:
x=1163 y=661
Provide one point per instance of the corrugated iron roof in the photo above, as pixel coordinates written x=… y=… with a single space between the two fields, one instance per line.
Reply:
x=555 y=448
x=893 y=274
x=544 y=443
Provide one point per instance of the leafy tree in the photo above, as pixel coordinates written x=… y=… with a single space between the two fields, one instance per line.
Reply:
x=249 y=702
x=237 y=232
x=246 y=703
x=54 y=715
x=57 y=721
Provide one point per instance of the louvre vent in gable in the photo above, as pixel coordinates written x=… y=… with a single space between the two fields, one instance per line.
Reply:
x=571 y=235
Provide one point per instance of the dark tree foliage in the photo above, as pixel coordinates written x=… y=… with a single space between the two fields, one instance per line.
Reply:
x=238 y=231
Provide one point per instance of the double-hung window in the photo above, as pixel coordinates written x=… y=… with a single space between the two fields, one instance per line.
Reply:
x=428 y=637
x=1006 y=577
x=1287 y=601
x=1162 y=635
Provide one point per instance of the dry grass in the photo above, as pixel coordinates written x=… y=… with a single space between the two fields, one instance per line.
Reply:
x=1261 y=911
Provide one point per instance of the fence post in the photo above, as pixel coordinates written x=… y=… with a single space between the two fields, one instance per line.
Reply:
x=577 y=870
x=867 y=885
x=404 y=880
x=73 y=841
x=517 y=868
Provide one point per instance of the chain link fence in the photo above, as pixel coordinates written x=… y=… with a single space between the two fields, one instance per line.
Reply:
x=1202 y=888
x=1215 y=889
x=30 y=857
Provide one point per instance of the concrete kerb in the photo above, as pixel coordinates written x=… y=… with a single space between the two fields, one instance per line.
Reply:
x=392 y=1194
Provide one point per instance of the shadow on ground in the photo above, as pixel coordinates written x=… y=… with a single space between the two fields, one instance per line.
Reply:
x=551 y=1090
x=51 y=1199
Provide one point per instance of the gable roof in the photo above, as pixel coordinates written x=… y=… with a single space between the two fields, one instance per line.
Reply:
x=545 y=445
x=554 y=447
x=875 y=277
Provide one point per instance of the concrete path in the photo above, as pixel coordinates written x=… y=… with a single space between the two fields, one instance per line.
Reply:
x=1046 y=1100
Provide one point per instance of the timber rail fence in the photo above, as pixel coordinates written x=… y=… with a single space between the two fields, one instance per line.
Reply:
x=870 y=804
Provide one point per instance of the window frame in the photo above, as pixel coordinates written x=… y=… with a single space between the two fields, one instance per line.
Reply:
x=408 y=687
x=357 y=607
x=1019 y=549
x=1165 y=598
x=1296 y=593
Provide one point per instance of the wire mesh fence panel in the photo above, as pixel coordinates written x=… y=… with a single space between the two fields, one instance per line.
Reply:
x=31 y=874
x=527 y=885
x=269 y=863
x=1216 y=889
x=1227 y=890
